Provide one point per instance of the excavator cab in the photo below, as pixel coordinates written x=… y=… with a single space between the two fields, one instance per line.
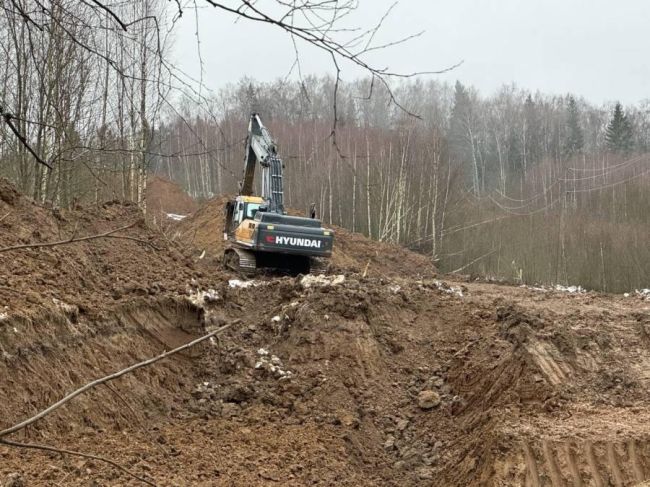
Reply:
x=239 y=210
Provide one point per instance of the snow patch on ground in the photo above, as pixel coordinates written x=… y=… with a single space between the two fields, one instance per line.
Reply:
x=539 y=289
x=557 y=287
x=175 y=216
x=321 y=281
x=272 y=365
x=570 y=289
x=199 y=298
x=236 y=283
x=643 y=294
x=447 y=289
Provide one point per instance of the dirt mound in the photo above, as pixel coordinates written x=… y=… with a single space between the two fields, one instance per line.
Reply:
x=353 y=252
x=88 y=275
x=166 y=198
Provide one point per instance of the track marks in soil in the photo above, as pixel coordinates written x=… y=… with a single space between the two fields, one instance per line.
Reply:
x=550 y=461
x=572 y=465
x=634 y=460
x=532 y=474
x=549 y=361
x=582 y=463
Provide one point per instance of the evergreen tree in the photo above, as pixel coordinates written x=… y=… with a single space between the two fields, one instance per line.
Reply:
x=460 y=113
x=619 y=136
x=514 y=154
x=575 y=139
x=533 y=132
x=462 y=135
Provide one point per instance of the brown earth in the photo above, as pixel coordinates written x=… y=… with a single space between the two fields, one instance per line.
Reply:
x=351 y=380
x=165 y=197
x=135 y=262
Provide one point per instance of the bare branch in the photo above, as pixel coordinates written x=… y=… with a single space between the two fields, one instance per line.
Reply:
x=462 y=268
x=90 y=456
x=319 y=36
x=111 y=13
x=7 y=117
x=108 y=234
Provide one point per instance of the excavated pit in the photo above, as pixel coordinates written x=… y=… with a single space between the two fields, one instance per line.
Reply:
x=390 y=379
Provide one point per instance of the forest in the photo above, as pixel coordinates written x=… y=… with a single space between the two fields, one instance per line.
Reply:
x=517 y=185
x=522 y=186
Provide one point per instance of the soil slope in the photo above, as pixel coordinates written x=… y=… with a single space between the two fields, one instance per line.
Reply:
x=87 y=275
x=165 y=197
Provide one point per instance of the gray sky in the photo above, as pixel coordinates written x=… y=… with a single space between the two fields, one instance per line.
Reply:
x=599 y=49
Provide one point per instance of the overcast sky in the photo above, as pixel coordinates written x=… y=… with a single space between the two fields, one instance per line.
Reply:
x=599 y=49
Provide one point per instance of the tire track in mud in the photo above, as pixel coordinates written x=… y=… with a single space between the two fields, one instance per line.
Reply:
x=552 y=465
x=636 y=464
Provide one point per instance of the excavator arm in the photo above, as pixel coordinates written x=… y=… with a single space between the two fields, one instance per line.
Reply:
x=260 y=148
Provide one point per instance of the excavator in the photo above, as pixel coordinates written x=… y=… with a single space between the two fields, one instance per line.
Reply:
x=258 y=232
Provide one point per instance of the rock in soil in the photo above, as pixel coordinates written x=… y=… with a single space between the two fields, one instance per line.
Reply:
x=428 y=399
x=14 y=480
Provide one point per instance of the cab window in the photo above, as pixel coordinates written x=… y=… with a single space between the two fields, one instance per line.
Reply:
x=251 y=209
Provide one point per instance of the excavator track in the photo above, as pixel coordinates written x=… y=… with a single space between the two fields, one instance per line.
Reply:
x=318 y=265
x=240 y=260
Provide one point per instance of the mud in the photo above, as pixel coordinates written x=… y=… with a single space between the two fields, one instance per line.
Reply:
x=165 y=198
x=391 y=379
